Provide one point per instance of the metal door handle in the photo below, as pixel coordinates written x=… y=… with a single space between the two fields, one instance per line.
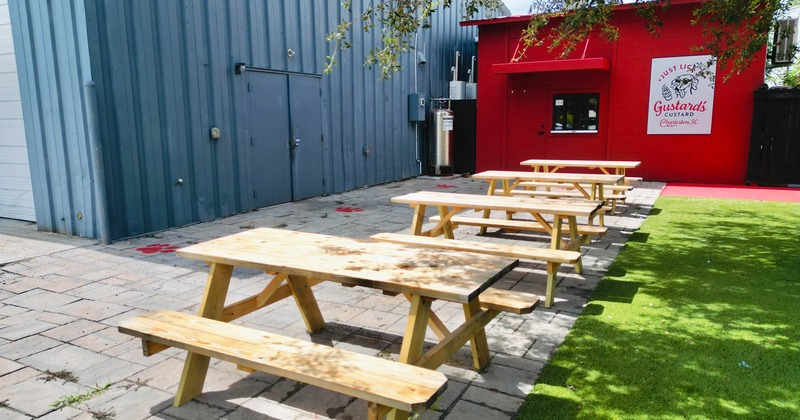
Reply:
x=296 y=142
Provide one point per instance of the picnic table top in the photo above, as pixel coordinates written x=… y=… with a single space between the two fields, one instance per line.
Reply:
x=550 y=176
x=625 y=164
x=436 y=274
x=502 y=203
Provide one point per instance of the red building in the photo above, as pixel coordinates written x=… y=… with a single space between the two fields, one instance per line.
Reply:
x=597 y=103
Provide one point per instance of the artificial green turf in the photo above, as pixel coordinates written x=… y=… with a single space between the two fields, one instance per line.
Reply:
x=698 y=317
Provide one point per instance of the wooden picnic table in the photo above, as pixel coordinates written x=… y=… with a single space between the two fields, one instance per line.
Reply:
x=450 y=204
x=606 y=166
x=511 y=180
x=295 y=261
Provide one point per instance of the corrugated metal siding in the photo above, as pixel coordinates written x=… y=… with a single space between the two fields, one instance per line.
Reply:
x=16 y=192
x=164 y=75
x=53 y=62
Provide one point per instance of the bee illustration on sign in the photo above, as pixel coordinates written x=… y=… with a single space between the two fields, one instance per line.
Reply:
x=680 y=85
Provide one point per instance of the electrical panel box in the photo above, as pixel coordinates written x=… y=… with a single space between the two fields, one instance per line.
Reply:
x=417 y=105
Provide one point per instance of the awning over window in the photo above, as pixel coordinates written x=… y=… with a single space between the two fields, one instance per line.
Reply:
x=552 y=65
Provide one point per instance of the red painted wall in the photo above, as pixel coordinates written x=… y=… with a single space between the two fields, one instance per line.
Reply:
x=515 y=111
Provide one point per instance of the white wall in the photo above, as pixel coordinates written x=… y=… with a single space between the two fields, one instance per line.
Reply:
x=16 y=195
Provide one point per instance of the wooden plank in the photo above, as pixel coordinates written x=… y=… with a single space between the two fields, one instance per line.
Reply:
x=547 y=184
x=499 y=203
x=625 y=164
x=554 y=194
x=550 y=290
x=562 y=194
x=270 y=289
x=556 y=201
x=523 y=225
x=414 y=337
x=437 y=274
x=509 y=301
x=248 y=305
x=447 y=347
x=487 y=212
x=517 y=251
x=555 y=240
x=443 y=226
x=211 y=306
x=478 y=341
x=576 y=239
x=445 y=215
x=434 y=322
x=554 y=258
x=377 y=411
x=306 y=303
x=550 y=176
x=418 y=219
x=386 y=382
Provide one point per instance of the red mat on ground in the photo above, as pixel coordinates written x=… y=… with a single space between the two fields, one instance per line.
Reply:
x=735 y=192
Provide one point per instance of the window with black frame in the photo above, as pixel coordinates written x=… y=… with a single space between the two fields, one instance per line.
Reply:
x=575 y=113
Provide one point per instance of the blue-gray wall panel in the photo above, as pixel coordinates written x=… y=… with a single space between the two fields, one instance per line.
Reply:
x=164 y=71
x=53 y=62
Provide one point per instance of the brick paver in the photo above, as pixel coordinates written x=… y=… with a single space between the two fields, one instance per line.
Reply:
x=59 y=308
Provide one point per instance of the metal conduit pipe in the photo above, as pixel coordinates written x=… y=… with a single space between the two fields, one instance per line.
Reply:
x=98 y=171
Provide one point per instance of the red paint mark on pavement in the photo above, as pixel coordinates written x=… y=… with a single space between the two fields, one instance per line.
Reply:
x=349 y=209
x=445 y=186
x=154 y=248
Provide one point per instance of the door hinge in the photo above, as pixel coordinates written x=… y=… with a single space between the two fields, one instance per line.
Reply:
x=248 y=86
x=251 y=142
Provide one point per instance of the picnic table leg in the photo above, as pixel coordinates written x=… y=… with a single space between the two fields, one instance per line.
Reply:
x=447 y=227
x=487 y=213
x=621 y=171
x=574 y=238
x=196 y=365
x=550 y=291
x=601 y=197
x=478 y=342
x=376 y=411
x=625 y=182
x=418 y=220
x=507 y=191
x=306 y=303
x=555 y=235
x=413 y=339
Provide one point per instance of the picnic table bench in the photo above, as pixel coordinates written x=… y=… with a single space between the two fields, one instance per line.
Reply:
x=449 y=205
x=384 y=382
x=575 y=185
x=553 y=258
x=296 y=261
x=618 y=167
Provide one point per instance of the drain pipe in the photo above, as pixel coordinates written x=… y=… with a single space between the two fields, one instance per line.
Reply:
x=96 y=150
x=417 y=141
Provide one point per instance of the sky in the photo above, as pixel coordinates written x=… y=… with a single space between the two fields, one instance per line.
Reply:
x=518 y=7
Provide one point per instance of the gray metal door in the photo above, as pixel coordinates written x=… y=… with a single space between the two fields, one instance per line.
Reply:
x=270 y=154
x=305 y=111
x=286 y=137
